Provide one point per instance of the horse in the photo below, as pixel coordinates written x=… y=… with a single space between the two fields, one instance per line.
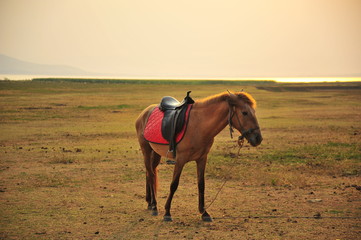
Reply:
x=207 y=119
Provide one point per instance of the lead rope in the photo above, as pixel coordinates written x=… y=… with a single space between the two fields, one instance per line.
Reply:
x=240 y=145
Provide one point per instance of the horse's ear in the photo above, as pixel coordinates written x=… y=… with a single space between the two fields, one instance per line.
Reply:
x=232 y=98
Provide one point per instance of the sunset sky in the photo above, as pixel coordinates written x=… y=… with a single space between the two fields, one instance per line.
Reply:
x=188 y=38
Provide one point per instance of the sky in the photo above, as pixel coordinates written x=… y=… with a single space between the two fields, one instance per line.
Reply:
x=188 y=38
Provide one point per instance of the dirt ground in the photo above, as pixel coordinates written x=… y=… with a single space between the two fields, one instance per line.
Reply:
x=71 y=167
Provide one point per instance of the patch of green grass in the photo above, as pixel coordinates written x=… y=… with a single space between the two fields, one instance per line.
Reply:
x=340 y=144
x=122 y=106
x=315 y=154
x=62 y=160
x=335 y=211
x=36 y=117
x=351 y=171
x=274 y=182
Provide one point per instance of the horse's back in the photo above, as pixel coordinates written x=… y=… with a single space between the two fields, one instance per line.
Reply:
x=142 y=119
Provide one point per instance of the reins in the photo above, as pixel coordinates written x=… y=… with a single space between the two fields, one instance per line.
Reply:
x=240 y=142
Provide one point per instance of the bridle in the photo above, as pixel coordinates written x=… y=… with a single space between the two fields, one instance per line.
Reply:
x=245 y=133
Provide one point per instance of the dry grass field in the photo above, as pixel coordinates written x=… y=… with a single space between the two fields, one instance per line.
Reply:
x=70 y=165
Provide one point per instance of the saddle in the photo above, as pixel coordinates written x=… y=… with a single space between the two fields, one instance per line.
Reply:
x=174 y=118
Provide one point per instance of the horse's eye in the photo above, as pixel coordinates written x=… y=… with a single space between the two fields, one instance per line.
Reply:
x=244 y=113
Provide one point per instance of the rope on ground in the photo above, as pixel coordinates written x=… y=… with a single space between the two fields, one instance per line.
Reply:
x=240 y=145
x=288 y=217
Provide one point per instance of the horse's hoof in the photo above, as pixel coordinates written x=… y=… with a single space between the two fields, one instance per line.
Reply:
x=207 y=219
x=154 y=213
x=167 y=219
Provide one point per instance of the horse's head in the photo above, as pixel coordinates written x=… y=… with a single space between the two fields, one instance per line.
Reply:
x=242 y=116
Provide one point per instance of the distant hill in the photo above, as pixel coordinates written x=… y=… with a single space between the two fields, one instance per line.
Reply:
x=9 y=65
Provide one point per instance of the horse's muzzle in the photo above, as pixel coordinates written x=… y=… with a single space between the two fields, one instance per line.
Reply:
x=255 y=138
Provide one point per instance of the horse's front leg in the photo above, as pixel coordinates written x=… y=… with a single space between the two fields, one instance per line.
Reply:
x=201 y=165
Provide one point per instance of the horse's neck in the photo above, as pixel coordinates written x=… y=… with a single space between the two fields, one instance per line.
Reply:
x=213 y=118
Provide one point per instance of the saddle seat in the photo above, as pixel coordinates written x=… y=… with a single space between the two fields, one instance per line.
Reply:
x=174 y=118
x=170 y=103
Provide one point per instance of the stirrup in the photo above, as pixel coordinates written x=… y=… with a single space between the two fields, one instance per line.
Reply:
x=169 y=161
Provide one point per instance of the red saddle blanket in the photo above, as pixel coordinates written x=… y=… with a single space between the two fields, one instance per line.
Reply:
x=153 y=128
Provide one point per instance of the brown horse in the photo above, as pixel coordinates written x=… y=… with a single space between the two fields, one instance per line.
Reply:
x=208 y=117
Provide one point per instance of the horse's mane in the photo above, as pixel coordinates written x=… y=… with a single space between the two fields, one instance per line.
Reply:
x=224 y=96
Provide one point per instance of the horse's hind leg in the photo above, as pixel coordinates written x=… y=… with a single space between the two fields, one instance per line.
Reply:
x=173 y=187
x=151 y=161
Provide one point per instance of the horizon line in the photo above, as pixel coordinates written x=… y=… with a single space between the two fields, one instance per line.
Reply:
x=20 y=77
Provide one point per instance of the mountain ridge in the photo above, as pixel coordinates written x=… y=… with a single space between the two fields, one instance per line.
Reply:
x=10 y=65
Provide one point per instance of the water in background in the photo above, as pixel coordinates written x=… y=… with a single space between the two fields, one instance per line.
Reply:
x=282 y=79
